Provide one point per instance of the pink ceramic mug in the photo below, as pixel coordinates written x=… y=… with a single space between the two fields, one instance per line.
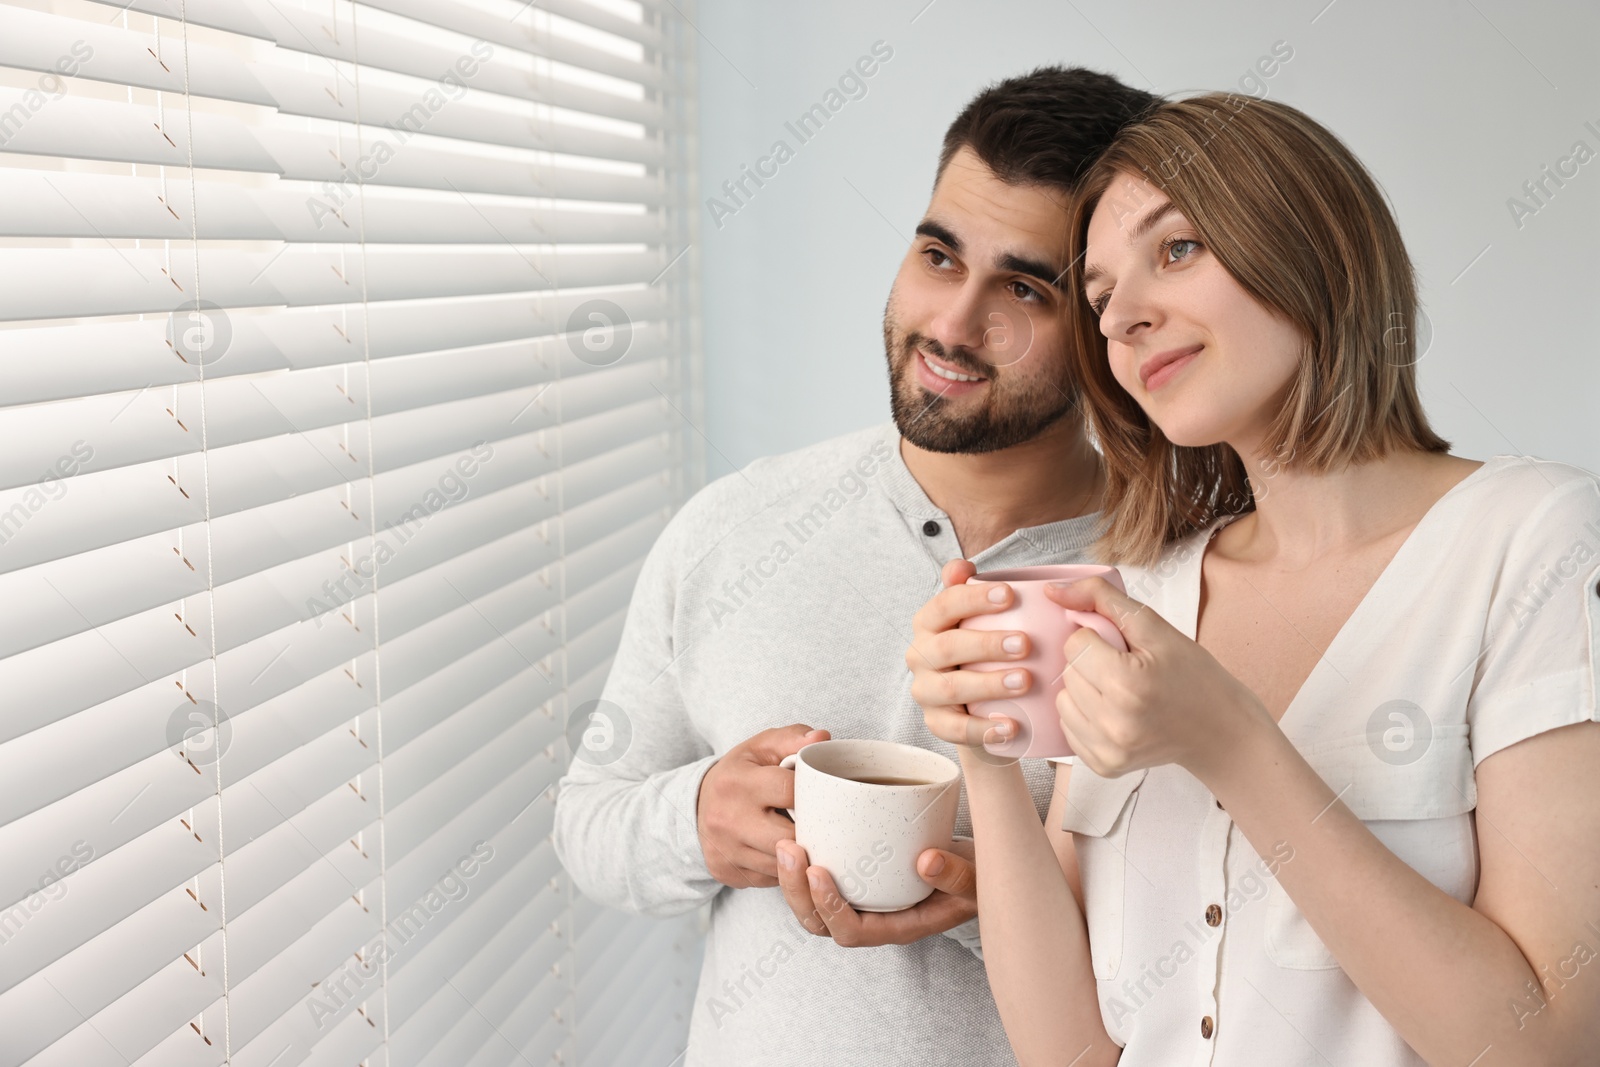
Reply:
x=1048 y=625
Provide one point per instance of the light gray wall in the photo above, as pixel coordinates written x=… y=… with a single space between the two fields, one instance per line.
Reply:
x=1453 y=105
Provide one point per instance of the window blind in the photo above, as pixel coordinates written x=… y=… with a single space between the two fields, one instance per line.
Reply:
x=347 y=373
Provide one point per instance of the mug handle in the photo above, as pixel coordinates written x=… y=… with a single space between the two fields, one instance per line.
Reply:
x=787 y=763
x=1100 y=625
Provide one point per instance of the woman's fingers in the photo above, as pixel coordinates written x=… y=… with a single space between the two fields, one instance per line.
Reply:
x=956 y=572
x=939 y=647
x=959 y=728
x=1077 y=696
x=948 y=688
x=953 y=648
x=947 y=608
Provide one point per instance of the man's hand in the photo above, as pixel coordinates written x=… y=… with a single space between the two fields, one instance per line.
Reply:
x=820 y=908
x=739 y=829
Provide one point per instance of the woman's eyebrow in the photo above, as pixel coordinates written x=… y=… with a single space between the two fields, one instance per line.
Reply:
x=1148 y=223
x=1092 y=272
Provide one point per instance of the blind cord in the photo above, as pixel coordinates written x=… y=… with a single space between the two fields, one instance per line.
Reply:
x=211 y=575
x=372 y=525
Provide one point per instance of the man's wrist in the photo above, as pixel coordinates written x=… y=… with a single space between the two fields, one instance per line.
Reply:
x=693 y=776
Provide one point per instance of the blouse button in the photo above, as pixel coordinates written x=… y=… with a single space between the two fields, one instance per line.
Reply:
x=1214 y=916
x=1205 y=1026
x=930 y=528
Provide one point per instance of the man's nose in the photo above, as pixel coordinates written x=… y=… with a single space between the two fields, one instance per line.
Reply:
x=960 y=323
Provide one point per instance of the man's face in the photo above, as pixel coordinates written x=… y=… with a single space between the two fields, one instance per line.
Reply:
x=978 y=296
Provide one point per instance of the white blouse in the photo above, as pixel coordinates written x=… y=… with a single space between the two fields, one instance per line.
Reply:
x=1483 y=630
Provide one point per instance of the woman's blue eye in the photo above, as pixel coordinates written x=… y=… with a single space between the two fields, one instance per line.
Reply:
x=1180 y=242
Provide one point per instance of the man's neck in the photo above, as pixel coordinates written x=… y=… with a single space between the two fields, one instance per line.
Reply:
x=990 y=495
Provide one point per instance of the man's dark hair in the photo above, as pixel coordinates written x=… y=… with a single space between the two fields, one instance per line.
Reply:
x=1045 y=127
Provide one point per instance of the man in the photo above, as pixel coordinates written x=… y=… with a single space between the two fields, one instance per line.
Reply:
x=784 y=593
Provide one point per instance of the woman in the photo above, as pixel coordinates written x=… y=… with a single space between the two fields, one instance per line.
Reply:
x=1339 y=803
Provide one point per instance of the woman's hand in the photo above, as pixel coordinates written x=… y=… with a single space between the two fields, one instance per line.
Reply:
x=1165 y=700
x=939 y=647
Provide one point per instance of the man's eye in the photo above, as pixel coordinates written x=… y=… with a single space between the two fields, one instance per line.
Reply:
x=1023 y=291
x=936 y=258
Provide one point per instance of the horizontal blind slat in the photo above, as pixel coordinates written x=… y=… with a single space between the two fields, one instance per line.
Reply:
x=100 y=206
x=100 y=357
x=127 y=133
x=527 y=33
x=75 y=283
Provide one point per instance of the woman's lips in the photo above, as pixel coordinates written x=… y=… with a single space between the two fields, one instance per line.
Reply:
x=1165 y=366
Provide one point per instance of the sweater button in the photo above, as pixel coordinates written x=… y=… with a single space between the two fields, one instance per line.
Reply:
x=1214 y=916
x=930 y=528
x=1205 y=1027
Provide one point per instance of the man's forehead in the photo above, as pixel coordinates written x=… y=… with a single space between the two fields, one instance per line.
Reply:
x=979 y=208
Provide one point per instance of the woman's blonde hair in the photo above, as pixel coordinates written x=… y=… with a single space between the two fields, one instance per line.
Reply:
x=1297 y=221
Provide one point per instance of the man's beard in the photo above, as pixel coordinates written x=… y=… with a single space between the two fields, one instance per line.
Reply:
x=930 y=422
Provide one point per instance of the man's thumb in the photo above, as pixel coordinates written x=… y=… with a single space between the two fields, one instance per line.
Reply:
x=948 y=872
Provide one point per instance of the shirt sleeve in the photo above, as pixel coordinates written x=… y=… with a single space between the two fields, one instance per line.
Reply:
x=625 y=819
x=1542 y=639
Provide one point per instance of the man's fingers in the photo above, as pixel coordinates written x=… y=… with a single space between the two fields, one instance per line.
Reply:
x=757 y=879
x=843 y=921
x=852 y=929
x=772 y=829
x=745 y=878
x=934 y=915
x=770 y=746
x=770 y=787
x=796 y=890
x=760 y=859
x=948 y=872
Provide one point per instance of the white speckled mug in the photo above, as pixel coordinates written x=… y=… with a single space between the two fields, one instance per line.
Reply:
x=868 y=834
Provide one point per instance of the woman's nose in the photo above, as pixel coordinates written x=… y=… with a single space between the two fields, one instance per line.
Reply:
x=1127 y=312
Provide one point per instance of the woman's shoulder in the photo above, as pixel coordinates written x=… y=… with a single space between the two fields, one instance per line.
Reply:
x=1533 y=501
x=1530 y=480
x=1168 y=582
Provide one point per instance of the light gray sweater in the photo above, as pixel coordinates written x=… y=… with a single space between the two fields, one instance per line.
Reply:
x=784 y=593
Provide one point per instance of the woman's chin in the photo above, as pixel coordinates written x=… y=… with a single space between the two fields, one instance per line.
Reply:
x=1188 y=434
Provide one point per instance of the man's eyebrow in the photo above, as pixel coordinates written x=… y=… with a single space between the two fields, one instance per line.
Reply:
x=1092 y=272
x=929 y=228
x=1008 y=262
x=1032 y=268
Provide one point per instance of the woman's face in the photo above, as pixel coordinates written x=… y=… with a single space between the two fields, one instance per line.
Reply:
x=1203 y=358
